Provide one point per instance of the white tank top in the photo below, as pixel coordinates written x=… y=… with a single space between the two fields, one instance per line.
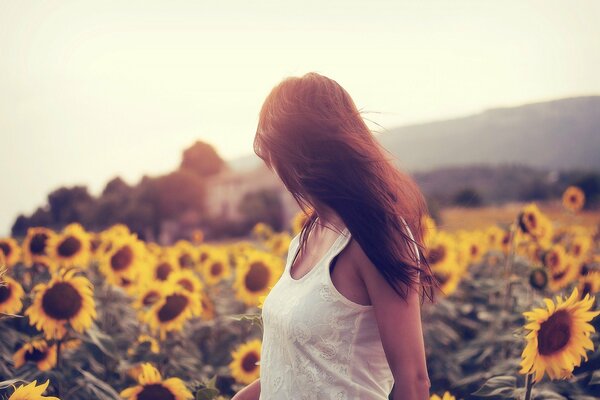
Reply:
x=318 y=344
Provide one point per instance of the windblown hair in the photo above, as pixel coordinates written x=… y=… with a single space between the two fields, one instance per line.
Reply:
x=313 y=136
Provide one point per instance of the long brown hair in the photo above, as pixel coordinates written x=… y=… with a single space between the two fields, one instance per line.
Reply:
x=311 y=133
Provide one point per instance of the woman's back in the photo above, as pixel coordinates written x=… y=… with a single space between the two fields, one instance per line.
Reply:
x=317 y=343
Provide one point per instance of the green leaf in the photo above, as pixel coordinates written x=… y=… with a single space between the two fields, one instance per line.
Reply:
x=595 y=380
x=498 y=386
x=206 y=394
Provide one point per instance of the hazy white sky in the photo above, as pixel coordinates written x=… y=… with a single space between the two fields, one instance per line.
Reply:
x=90 y=90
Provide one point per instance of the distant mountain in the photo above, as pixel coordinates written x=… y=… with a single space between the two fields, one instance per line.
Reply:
x=559 y=134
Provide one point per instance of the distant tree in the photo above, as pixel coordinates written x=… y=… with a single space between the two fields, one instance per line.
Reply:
x=537 y=189
x=169 y=196
x=263 y=206
x=468 y=197
x=202 y=159
x=116 y=185
x=41 y=217
x=68 y=204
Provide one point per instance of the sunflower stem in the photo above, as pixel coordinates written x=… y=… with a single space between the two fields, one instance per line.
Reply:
x=58 y=344
x=528 y=386
x=509 y=261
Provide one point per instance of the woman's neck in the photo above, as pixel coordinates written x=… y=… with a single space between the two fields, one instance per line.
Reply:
x=332 y=220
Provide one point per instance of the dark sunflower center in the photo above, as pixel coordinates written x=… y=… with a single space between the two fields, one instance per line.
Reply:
x=186 y=284
x=155 y=391
x=474 y=250
x=531 y=221
x=186 y=261
x=174 y=305
x=62 y=301
x=249 y=362
x=35 y=355
x=38 y=244
x=5 y=292
x=554 y=333
x=203 y=256
x=552 y=260
x=258 y=277
x=216 y=268
x=437 y=254
x=559 y=275
x=574 y=199
x=150 y=298
x=5 y=247
x=163 y=271
x=538 y=279
x=69 y=246
x=121 y=259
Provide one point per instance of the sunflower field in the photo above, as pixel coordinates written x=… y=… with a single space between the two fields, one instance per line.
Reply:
x=105 y=315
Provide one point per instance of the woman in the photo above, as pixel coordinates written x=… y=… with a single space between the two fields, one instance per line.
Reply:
x=343 y=321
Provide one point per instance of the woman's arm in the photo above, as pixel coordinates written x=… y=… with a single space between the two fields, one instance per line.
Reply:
x=250 y=392
x=400 y=329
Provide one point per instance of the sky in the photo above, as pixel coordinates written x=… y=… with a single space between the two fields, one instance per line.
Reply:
x=94 y=90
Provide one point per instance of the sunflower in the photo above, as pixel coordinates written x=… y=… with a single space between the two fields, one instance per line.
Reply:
x=154 y=347
x=554 y=259
x=187 y=279
x=65 y=299
x=573 y=198
x=445 y=396
x=172 y=311
x=71 y=247
x=152 y=386
x=164 y=264
x=244 y=368
x=38 y=352
x=186 y=254
x=471 y=246
x=558 y=337
x=107 y=238
x=533 y=222
x=441 y=252
x=255 y=273
x=493 y=237
x=11 y=295
x=538 y=278
x=125 y=259
x=579 y=246
x=589 y=283
x=31 y=392
x=568 y=272
x=147 y=295
x=35 y=244
x=279 y=243
x=429 y=228
x=216 y=268
x=262 y=231
x=11 y=251
x=203 y=253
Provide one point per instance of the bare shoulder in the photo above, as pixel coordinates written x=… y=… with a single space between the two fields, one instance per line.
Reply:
x=378 y=288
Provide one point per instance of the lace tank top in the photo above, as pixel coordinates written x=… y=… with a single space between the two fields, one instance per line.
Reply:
x=317 y=343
